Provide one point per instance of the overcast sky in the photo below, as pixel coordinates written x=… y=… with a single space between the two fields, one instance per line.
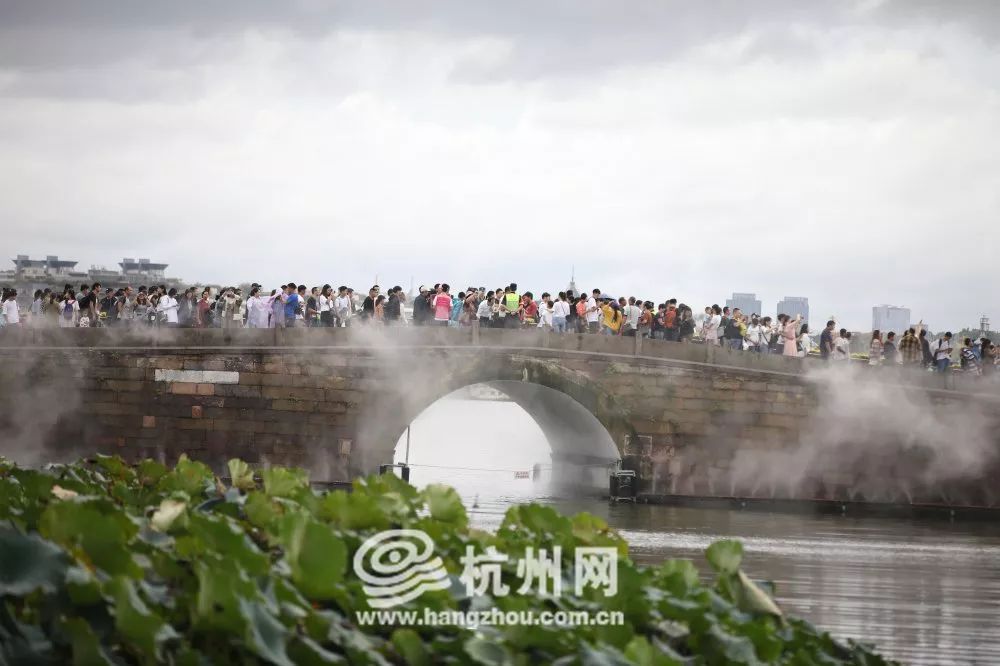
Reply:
x=843 y=151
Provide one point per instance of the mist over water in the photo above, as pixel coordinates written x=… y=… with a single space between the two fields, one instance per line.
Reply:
x=496 y=438
x=925 y=592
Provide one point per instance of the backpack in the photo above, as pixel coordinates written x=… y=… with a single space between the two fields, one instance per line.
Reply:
x=67 y=311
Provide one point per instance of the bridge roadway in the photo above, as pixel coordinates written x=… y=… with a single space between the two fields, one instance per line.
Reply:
x=692 y=420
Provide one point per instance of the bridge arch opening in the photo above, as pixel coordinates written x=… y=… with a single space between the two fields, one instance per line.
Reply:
x=508 y=438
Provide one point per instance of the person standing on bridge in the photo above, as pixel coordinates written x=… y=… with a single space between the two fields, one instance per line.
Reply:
x=734 y=331
x=805 y=341
x=290 y=305
x=341 y=307
x=442 y=306
x=789 y=334
x=826 y=341
x=909 y=348
x=201 y=319
x=570 y=301
x=593 y=312
x=560 y=313
x=11 y=313
x=713 y=320
x=630 y=316
x=326 y=306
x=671 y=322
x=257 y=310
x=167 y=308
x=484 y=312
x=231 y=314
x=889 y=352
x=942 y=352
x=612 y=316
x=511 y=307
x=875 y=349
x=140 y=310
x=394 y=307
x=470 y=308
x=988 y=355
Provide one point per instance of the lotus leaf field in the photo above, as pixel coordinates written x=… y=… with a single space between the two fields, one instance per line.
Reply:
x=104 y=562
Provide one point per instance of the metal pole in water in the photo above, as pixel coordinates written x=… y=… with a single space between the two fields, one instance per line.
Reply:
x=407 y=460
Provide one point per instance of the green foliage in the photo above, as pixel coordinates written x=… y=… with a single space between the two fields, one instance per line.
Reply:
x=109 y=563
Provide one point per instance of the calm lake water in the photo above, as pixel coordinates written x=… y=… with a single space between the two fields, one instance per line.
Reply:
x=924 y=591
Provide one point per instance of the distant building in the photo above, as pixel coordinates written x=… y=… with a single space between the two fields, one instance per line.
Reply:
x=747 y=303
x=54 y=273
x=887 y=318
x=794 y=305
x=142 y=268
x=33 y=269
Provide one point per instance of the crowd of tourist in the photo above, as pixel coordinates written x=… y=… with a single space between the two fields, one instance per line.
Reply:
x=294 y=305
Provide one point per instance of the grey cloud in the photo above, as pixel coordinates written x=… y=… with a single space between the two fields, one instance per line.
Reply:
x=828 y=136
x=548 y=40
x=549 y=37
x=979 y=16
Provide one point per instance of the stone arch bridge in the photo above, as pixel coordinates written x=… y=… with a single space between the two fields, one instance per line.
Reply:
x=690 y=419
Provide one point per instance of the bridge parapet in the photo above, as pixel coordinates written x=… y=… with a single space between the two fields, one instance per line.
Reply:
x=529 y=341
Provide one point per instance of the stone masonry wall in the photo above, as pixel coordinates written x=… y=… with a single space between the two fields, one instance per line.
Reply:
x=690 y=420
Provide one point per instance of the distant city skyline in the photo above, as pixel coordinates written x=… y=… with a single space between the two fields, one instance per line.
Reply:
x=886 y=318
x=746 y=302
x=795 y=305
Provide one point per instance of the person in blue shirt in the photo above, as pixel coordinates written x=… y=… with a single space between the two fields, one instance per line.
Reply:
x=456 y=307
x=291 y=304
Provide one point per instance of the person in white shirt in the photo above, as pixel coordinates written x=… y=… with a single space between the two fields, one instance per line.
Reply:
x=167 y=307
x=756 y=335
x=560 y=310
x=942 y=352
x=257 y=309
x=594 y=312
x=342 y=307
x=713 y=319
x=842 y=346
x=69 y=310
x=545 y=310
x=631 y=313
x=326 y=306
x=805 y=342
x=484 y=312
x=10 y=311
x=36 y=310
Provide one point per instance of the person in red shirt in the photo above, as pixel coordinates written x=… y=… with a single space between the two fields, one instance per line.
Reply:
x=670 y=323
x=201 y=314
x=529 y=309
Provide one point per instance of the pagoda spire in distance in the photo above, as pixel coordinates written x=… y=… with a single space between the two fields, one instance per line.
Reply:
x=572 y=281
